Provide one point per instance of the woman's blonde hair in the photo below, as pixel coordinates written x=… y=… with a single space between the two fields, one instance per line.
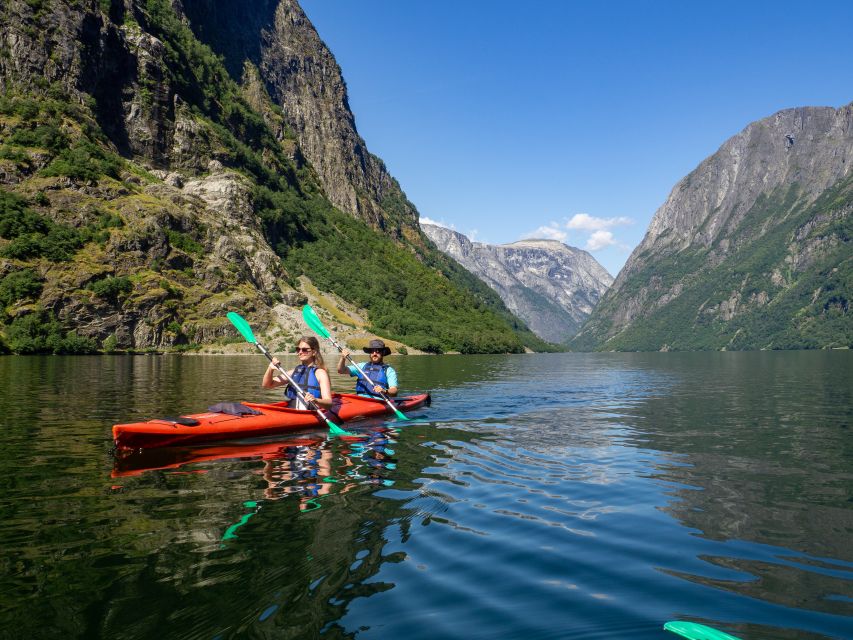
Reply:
x=312 y=342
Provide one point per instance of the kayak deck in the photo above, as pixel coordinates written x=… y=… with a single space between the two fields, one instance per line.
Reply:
x=272 y=418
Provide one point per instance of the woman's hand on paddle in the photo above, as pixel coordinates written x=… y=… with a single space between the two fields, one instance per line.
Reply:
x=270 y=380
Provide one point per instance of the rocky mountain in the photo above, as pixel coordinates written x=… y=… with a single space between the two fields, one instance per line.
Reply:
x=303 y=77
x=164 y=161
x=549 y=285
x=751 y=250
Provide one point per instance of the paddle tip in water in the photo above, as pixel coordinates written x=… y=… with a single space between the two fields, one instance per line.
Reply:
x=336 y=431
x=696 y=631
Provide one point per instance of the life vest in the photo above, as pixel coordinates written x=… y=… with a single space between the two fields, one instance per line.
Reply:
x=377 y=373
x=306 y=378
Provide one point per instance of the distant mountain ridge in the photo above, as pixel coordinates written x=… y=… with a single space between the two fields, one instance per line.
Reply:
x=751 y=250
x=546 y=283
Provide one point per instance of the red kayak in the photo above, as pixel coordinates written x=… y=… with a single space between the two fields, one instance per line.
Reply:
x=269 y=419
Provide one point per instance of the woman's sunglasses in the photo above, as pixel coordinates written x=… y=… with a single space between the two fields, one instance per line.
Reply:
x=304 y=349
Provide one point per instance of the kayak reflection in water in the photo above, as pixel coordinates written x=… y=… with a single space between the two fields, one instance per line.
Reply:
x=383 y=375
x=308 y=470
x=375 y=456
x=300 y=470
x=310 y=374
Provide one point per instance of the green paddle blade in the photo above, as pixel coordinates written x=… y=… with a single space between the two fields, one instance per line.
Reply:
x=696 y=631
x=316 y=325
x=400 y=415
x=335 y=430
x=242 y=326
x=313 y=321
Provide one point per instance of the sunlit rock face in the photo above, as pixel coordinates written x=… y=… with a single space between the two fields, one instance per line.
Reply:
x=551 y=286
x=749 y=251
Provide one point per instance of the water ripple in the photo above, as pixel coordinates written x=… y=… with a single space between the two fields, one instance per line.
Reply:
x=552 y=496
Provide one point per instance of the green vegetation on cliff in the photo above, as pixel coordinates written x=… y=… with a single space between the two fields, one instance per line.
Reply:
x=85 y=233
x=788 y=287
x=408 y=301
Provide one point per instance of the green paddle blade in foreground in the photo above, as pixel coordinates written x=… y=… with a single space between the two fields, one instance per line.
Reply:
x=696 y=631
x=242 y=326
x=313 y=321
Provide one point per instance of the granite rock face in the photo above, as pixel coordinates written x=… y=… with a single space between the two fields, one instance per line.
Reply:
x=546 y=283
x=735 y=254
x=810 y=148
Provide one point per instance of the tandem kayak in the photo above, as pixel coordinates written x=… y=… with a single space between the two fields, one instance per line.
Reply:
x=268 y=419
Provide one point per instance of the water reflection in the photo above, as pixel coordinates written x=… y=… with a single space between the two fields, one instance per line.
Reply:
x=547 y=496
x=306 y=467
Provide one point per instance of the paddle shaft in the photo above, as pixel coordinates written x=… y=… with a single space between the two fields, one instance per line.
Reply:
x=364 y=375
x=246 y=331
x=296 y=388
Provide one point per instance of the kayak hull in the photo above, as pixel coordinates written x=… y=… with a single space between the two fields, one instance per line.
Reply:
x=274 y=418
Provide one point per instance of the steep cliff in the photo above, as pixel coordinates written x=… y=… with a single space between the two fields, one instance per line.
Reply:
x=303 y=77
x=751 y=250
x=549 y=285
x=149 y=185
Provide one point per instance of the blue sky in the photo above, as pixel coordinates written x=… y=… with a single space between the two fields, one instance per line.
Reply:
x=571 y=120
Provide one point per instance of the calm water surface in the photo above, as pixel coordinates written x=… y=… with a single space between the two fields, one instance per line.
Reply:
x=541 y=496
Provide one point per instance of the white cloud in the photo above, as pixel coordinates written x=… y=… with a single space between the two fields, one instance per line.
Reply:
x=599 y=239
x=548 y=232
x=425 y=220
x=587 y=222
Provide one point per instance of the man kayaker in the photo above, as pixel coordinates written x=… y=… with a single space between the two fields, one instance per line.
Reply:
x=310 y=374
x=383 y=375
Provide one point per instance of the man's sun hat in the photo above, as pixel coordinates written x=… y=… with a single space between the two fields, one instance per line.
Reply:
x=377 y=344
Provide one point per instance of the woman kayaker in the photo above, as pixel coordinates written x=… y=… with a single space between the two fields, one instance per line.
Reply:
x=310 y=374
x=383 y=375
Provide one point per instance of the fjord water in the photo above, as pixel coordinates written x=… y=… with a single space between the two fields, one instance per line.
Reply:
x=541 y=496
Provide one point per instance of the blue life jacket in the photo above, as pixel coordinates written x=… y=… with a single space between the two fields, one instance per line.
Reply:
x=306 y=378
x=375 y=372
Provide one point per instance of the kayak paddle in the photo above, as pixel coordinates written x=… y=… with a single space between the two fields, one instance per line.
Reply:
x=316 y=325
x=246 y=331
x=696 y=631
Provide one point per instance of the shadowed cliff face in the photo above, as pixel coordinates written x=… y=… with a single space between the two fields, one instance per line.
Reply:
x=232 y=28
x=750 y=250
x=549 y=285
x=304 y=79
x=85 y=54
